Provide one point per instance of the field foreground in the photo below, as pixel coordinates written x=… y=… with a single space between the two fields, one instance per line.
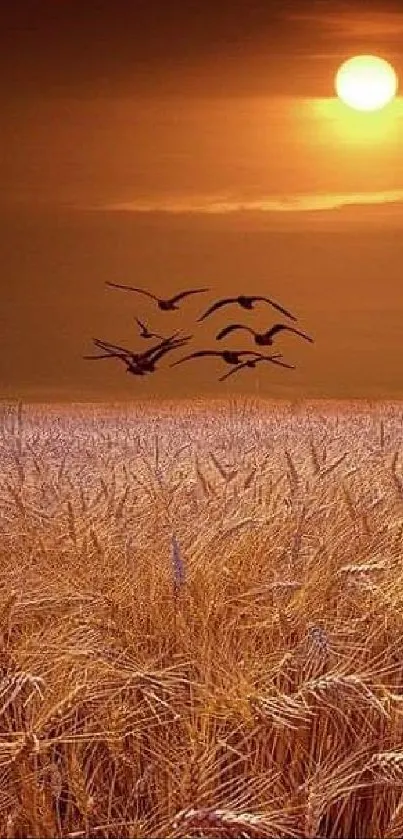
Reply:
x=201 y=620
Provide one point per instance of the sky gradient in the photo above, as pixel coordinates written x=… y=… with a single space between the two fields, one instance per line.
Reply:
x=168 y=145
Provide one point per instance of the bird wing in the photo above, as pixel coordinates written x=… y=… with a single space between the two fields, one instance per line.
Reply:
x=274 y=360
x=170 y=345
x=164 y=343
x=186 y=294
x=106 y=355
x=283 y=364
x=217 y=305
x=276 y=306
x=136 y=370
x=302 y=334
x=153 y=335
x=277 y=327
x=230 y=328
x=196 y=355
x=132 y=288
x=105 y=345
x=164 y=350
x=231 y=372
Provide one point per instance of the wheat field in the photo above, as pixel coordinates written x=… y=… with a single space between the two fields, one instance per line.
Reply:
x=201 y=620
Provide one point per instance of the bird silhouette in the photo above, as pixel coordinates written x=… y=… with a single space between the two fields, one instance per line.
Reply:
x=245 y=302
x=229 y=356
x=135 y=369
x=144 y=330
x=115 y=349
x=165 y=304
x=252 y=362
x=149 y=364
x=140 y=363
x=132 y=366
x=263 y=339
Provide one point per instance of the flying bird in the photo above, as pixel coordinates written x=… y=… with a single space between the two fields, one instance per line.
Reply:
x=252 y=362
x=229 y=356
x=122 y=351
x=144 y=331
x=116 y=351
x=148 y=364
x=135 y=369
x=141 y=363
x=247 y=303
x=166 y=305
x=132 y=366
x=263 y=339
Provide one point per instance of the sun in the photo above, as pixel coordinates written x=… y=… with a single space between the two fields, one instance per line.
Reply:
x=366 y=82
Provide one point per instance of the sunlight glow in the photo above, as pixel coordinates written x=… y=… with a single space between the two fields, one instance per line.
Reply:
x=339 y=123
x=366 y=83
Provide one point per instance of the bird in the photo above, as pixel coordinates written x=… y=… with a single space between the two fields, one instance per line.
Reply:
x=141 y=363
x=135 y=369
x=132 y=365
x=165 y=304
x=247 y=303
x=148 y=364
x=274 y=359
x=229 y=356
x=263 y=339
x=116 y=350
x=144 y=331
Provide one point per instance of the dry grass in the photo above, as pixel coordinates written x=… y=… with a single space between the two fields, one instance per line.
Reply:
x=201 y=621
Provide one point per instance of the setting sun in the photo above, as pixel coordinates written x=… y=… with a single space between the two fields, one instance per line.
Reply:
x=366 y=82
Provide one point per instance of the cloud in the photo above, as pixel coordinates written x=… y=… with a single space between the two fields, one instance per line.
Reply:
x=221 y=205
x=347 y=21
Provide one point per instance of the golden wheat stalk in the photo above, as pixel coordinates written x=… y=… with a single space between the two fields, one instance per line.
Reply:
x=7 y=608
x=314 y=457
x=327 y=470
x=313 y=814
x=349 y=502
x=71 y=523
x=14 y=685
x=17 y=498
x=121 y=504
x=202 y=479
x=245 y=824
x=387 y=766
x=218 y=466
x=292 y=471
x=281 y=710
x=349 y=686
x=364 y=568
x=30 y=744
x=292 y=585
x=394 y=829
x=249 y=478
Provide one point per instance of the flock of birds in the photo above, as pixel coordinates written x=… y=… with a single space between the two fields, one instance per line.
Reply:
x=142 y=363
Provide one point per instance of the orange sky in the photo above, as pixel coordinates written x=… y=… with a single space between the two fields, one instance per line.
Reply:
x=206 y=149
